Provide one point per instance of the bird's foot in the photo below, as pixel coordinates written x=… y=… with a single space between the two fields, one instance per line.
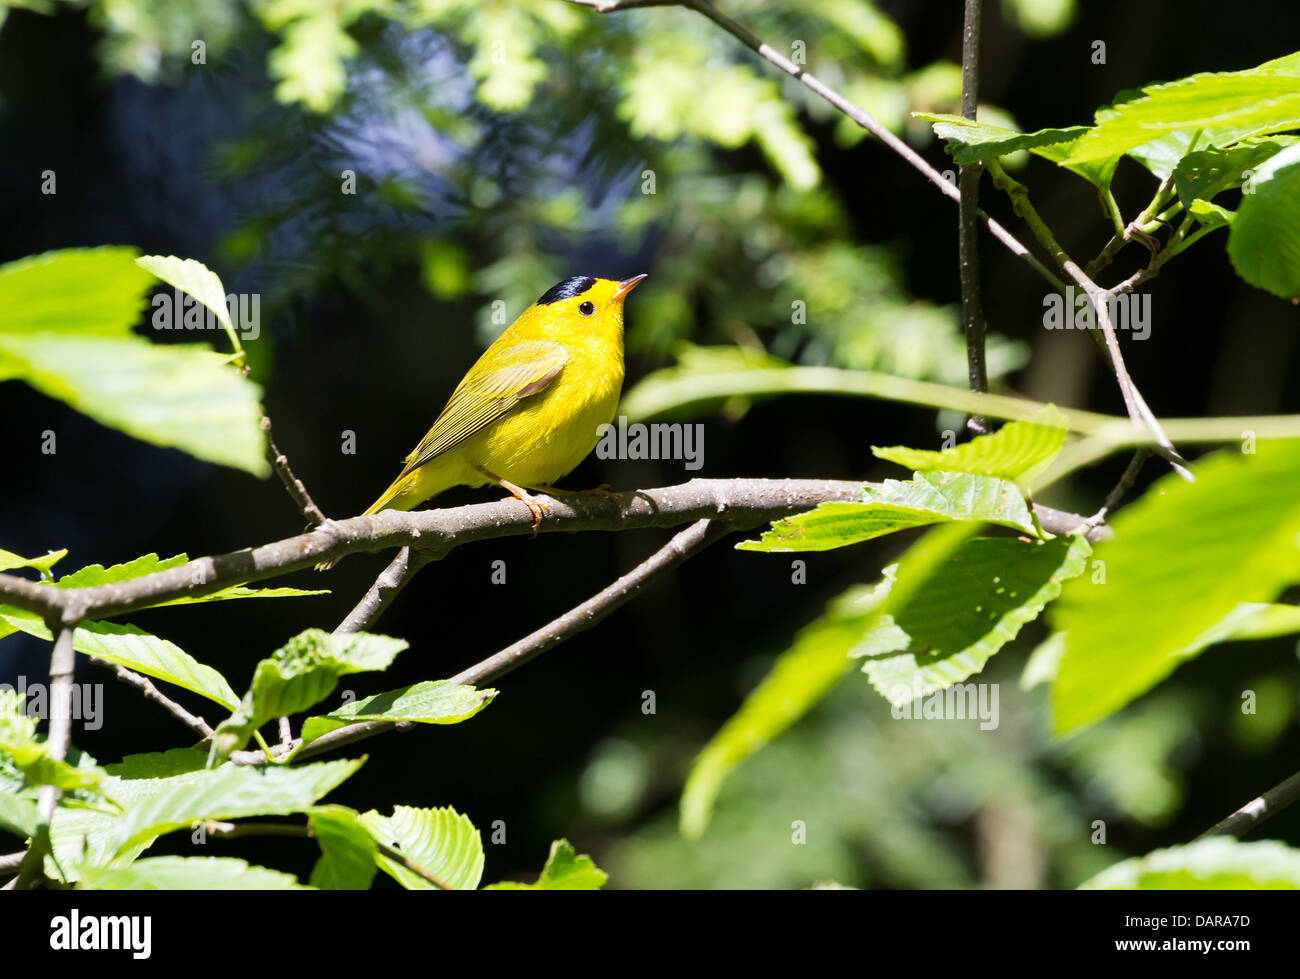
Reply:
x=535 y=506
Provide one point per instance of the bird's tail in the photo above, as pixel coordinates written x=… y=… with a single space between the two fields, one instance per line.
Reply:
x=399 y=487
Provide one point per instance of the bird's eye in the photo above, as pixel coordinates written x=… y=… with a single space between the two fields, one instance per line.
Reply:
x=586 y=309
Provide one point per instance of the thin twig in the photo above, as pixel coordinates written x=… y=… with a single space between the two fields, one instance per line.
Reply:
x=63 y=664
x=743 y=503
x=1134 y=403
x=11 y=861
x=297 y=491
x=859 y=115
x=146 y=686
x=1117 y=492
x=968 y=256
x=391 y=580
x=679 y=549
x=683 y=546
x=1258 y=809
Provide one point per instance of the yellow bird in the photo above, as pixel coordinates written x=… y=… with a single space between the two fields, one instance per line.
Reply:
x=530 y=408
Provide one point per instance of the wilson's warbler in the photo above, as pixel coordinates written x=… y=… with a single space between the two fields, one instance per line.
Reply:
x=529 y=409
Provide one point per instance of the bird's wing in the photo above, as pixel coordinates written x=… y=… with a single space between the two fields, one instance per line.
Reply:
x=481 y=399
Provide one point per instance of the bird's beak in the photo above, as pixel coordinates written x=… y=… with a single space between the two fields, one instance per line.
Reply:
x=626 y=286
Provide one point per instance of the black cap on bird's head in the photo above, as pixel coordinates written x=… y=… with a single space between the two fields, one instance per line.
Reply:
x=577 y=285
x=568 y=288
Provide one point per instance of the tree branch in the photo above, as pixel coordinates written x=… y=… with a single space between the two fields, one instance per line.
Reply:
x=740 y=503
x=63 y=663
x=968 y=256
x=1134 y=403
x=146 y=686
x=859 y=115
x=297 y=491
x=681 y=548
x=391 y=580
x=1258 y=809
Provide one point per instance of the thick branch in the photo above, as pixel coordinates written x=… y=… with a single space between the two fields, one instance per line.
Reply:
x=739 y=503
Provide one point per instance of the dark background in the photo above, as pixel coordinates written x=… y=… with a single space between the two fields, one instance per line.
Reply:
x=353 y=342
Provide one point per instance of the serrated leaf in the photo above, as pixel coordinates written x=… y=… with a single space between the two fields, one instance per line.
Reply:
x=300 y=674
x=196 y=279
x=88 y=292
x=180 y=395
x=1264 y=243
x=1016 y=452
x=441 y=841
x=1217 y=864
x=159 y=764
x=1224 y=106
x=10 y=561
x=565 y=870
x=972 y=605
x=348 y=853
x=971 y=141
x=931 y=497
x=428 y=702
x=93 y=575
x=1182 y=558
x=187 y=874
x=18 y=814
x=30 y=754
x=1205 y=173
x=138 y=650
x=152 y=807
x=1211 y=215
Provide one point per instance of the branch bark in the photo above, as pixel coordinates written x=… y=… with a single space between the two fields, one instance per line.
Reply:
x=739 y=503
x=968 y=256
x=1260 y=808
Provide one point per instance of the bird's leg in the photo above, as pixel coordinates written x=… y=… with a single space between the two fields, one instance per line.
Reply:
x=536 y=507
x=603 y=490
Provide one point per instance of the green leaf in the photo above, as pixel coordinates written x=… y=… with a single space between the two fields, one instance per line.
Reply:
x=18 y=815
x=970 y=141
x=30 y=754
x=932 y=497
x=1017 y=451
x=138 y=650
x=565 y=870
x=429 y=702
x=1182 y=558
x=1211 y=215
x=975 y=603
x=348 y=853
x=197 y=280
x=93 y=575
x=152 y=807
x=442 y=842
x=801 y=677
x=1214 y=864
x=10 y=561
x=1264 y=244
x=1225 y=106
x=187 y=874
x=805 y=673
x=86 y=292
x=301 y=673
x=181 y=396
x=1205 y=173
x=159 y=764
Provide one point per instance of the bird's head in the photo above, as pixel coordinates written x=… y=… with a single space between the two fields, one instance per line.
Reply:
x=582 y=301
